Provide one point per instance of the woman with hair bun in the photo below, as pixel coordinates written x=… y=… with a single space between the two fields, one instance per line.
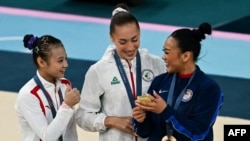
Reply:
x=113 y=83
x=45 y=104
x=184 y=101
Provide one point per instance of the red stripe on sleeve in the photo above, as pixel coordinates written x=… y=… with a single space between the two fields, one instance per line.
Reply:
x=34 y=92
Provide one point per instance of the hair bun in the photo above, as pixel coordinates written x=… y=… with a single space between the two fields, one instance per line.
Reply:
x=29 y=41
x=204 y=28
x=117 y=10
x=121 y=7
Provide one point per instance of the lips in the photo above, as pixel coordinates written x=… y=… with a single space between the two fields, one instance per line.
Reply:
x=63 y=71
x=130 y=53
x=166 y=64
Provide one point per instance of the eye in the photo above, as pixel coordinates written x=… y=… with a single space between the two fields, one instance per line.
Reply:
x=60 y=61
x=122 y=42
x=134 y=40
x=166 y=51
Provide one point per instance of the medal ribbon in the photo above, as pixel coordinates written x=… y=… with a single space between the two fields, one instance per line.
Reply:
x=178 y=101
x=52 y=107
x=125 y=79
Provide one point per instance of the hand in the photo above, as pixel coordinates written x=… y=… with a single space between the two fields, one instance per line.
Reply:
x=157 y=104
x=72 y=96
x=121 y=123
x=139 y=114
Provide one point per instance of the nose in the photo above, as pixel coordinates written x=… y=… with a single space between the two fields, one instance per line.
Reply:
x=163 y=57
x=130 y=44
x=65 y=64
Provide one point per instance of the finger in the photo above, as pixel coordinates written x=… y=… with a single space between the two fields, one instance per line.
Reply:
x=77 y=99
x=68 y=88
x=156 y=95
x=131 y=128
x=151 y=97
x=139 y=112
x=138 y=109
x=144 y=105
x=147 y=107
x=140 y=116
x=137 y=102
x=75 y=90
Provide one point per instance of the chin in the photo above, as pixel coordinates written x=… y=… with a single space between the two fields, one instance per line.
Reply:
x=130 y=57
x=61 y=76
x=169 y=70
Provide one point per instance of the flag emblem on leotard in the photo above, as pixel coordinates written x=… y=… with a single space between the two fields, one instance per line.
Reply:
x=187 y=96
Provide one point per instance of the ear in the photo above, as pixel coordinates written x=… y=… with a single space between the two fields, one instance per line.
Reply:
x=186 y=56
x=41 y=62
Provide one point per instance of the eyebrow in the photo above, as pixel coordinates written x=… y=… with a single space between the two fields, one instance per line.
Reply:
x=136 y=36
x=165 y=49
x=61 y=57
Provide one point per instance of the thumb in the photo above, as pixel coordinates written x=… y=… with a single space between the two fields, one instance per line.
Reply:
x=68 y=88
x=156 y=95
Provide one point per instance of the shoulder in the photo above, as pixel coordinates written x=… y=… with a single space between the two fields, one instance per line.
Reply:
x=151 y=58
x=28 y=92
x=105 y=63
x=101 y=65
x=28 y=87
x=162 y=77
x=108 y=53
x=145 y=53
x=207 y=87
x=206 y=81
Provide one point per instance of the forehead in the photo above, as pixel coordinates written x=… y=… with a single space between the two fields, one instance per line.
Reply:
x=126 y=31
x=171 y=43
x=57 y=51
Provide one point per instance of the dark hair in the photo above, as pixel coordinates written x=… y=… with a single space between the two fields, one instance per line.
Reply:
x=41 y=47
x=189 y=40
x=121 y=16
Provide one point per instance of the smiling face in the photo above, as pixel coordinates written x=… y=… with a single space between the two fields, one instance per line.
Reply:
x=127 y=40
x=56 y=65
x=172 y=55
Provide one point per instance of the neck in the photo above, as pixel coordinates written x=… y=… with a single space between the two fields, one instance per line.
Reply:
x=46 y=77
x=187 y=70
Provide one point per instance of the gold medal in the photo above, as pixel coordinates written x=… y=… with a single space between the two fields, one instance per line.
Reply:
x=144 y=98
x=168 y=138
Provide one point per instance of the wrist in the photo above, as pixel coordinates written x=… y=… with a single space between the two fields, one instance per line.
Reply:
x=108 y=122
x=65 y=105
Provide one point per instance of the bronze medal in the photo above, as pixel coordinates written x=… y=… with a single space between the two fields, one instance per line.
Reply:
x=168 y=138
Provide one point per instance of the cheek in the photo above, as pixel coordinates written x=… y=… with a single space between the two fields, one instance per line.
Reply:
x=119 y=45
x=172 y=59
x=137 y=44
x=119 y=48
x=169 y=57
x=164 y=57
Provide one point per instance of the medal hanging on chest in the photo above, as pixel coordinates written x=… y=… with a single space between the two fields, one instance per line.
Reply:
x=168 y=138
x=170 y=131
x=169 y=126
